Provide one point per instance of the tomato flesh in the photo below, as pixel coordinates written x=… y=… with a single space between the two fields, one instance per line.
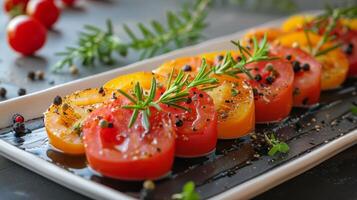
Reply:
x=26 y=35
x=273 y=100
x=349 y=40
x=129 y=153
x=196 y=129
x=307 y=80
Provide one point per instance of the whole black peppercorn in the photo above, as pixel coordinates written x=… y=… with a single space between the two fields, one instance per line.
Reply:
x=189 y=100
x=255 y=92
x=305 y=101
x=19 y=128
x=31 y=75
x=306 y=67
x=239 y=58
x=349 y=49
x=21 y=91
x=110 y=125
x=269 y=80
x=258 y=77
x=187 y=68
x=101 y=90
x=179 y=122
x=296 y=66
x=288 y=57
x=40 y=75
x=3 y=92
x=220 y=57
x=57 y=100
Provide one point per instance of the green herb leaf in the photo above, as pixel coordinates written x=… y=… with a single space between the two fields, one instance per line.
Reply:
x=188 y=192
x=230 y=67
x=277 y=146
x=99 y=46
x=182 y=28
x=354 y=110
x=93 y=45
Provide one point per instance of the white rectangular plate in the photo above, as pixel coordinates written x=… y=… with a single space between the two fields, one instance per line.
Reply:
x=33 y=105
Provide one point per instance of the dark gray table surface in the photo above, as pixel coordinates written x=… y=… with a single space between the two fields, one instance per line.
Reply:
x=333 y=179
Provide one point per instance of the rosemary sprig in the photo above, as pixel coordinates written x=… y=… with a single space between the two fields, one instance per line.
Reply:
x=176 y=92
x=182 y=29
x=277 y=146
x=331 y=17
x=260 y=53
x=93 y=44
x=276 y=5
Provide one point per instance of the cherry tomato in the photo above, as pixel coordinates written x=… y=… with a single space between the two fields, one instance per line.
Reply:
x=307 y=80
x=69 y=2
x=120 y=152
x=45 y=11
x=349 y=40
x=26 y=35
x=196 y=128
x=273 y=89
x=10 y=5
x=63 y=121
x=334 y=63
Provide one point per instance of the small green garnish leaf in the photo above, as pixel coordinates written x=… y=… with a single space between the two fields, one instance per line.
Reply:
x=277 y=146
x=354 y=110
x=188 y=192
x=234 y=92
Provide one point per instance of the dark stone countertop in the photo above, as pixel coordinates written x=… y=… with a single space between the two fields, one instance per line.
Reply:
x=333 y=179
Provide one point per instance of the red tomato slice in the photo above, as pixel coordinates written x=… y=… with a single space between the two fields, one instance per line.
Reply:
x=273 y=89
x=196 y=129
x=349 y=40
x=129 y=153
x=307 y=80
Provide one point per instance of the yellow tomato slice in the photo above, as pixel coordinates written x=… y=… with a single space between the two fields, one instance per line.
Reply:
x=190 y=65
x=234 y=103
x=272 y=34
x=127 y=81
x=351 y=23
x=216 y=56
x=334 y=64
x=296 y=22
x=63 y=122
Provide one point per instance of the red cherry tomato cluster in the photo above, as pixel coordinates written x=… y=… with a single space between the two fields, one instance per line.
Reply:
x=26 y=33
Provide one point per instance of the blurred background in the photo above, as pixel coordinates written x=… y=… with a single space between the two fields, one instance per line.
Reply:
x=223 y=17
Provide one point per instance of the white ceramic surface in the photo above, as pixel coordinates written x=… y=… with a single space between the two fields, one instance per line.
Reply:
x=33 y=105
